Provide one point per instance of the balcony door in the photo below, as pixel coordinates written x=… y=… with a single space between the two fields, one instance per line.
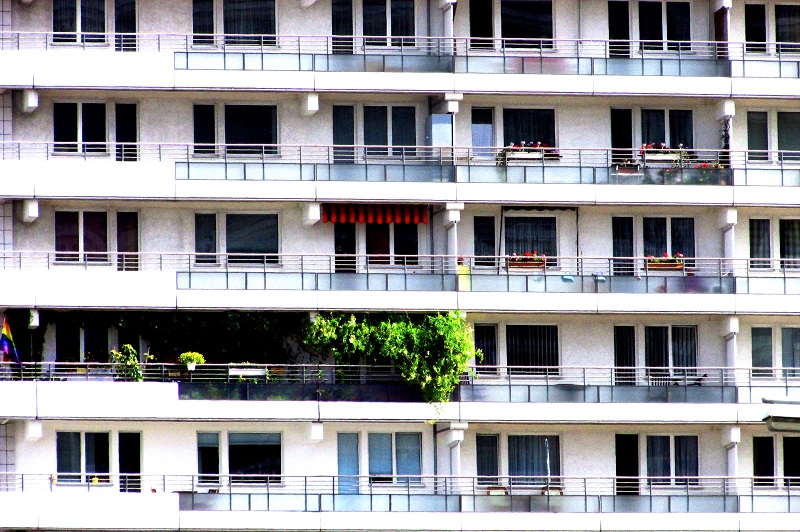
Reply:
x=622 y=245
x=125 y=25
x=127 y=241
x=624 y=355
x=619 y=31
x=621 y=135
x=342 y=26
x=344 y=238
x=627 y=451
x=130 y=466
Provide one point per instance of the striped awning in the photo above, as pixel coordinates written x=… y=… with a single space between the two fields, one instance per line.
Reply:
x=370 y=213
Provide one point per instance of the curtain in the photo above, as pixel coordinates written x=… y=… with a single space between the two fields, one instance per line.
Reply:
x=788 y=139
x=95 y=236
x=93 y=20
x=347 y=459
x=533 y=345
x=790 y=242
x=487 y=456
x=787 y=27
x=684 y=347
x=65 y=20
x=252 y=233
x=650 y=25
x=624 y=354
x=402 y=14
x=658 y=458
x=536 y=457
x=409 y=450
x=759 y=243
x=622 y=244
x=531 y=234
x=380 y=455
x=680 y=129
x=653 y=126
x=790 y=350
x=529 y=125
x=656 y=349
x=655 y=236
x=682 y=233
x=678 y=28
x=686 y=457
x=484 y=238
x=97 y=454
x=404 y=129
x=374 y=21
x=249 y=17
x=526 y=19
x=376 y=128
x=486 y=341
x=68 y=455
x=202 y=21
x=761 y=347
x=251 y=124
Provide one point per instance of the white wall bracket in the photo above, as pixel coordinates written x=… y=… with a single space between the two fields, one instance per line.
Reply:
x=29 y=101
x=309 y=103
x=312 y=213
x=30 y=210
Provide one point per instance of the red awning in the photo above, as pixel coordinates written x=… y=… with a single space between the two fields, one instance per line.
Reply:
x=374 y=214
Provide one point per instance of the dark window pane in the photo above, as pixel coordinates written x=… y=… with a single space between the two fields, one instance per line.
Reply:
x=534 y=458
x=678 y=29
x=65 y=20
x=791 y=459
x=486 y=341
x=790 y=242
x=205 y=237
x=252 y=454
x=682 y=232
x=481 y=22
x=619 y=28
x=787 y=27
x=404 y=129
x=790 y=349
x=93 y=122
x=624 y=354
x=757 y=135
x=760 y=243
x=65 y=127
x=342 y=19
x=788 y=139
x=684 y=346
x=95 y=236
x=764 y=460
x=66 y=233
x=529 y=125
x=656 y=347
x=252 y=234
x=402 y=13
x=205 y=128
x=761 y=338
x=208 y=456
x=533 y=345
x=686 y=456
x=658 y=456
x=532 y=234
x=249 y=17
x=251 y=124
x=378 y=243
x=485 y=245
x=655 y=236
x=622 y=244
x=344 y=133
x=68 y=340
x=376 y=129
x=653 y=127
x=125 y=23
x=488 y=458
x=202 y=21
x=126 y=131
x=755 y=27
x=93 y=19
x=523 y=20
x=650 y=25
x=374 y=21
x=681 y=134
x=483 y=130
x=127 y=241
x=406 y=243
x=97 y=456
x=68 y=456
x=95 y=342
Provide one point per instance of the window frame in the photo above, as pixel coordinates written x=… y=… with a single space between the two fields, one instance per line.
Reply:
x=391 y=260
x=270 y=478
x=78 y=36
x=671 y=481
x=245 y=259
x=81 y=256
x=671 y=370
x=667 y=131
x=79 y=147
x=531 y=214
x=83 y=476
x=394 y=478
x=539 y=43
x=389 y=40
x=668 y=219
x=665 y=45
x=531 y=371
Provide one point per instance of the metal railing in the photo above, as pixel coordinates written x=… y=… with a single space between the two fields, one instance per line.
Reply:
x=421 y=493
x=442 y=54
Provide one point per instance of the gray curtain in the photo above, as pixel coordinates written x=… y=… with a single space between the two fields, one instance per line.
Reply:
x=684 y=347
x=790 y=243
x=686 y=458
x=531 y=234
x=759 y=243
x=790 y=350
x=249 y=17
x=655 y=236
x=656 y=348
x=533 y=345
x=658 y=459
x=528 y=457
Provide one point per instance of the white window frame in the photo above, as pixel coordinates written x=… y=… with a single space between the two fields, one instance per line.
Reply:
x=358 y=27
x=672 y=457
x=84 y=474
x=111 y=226
x=664 y=38
x=641 y=353
x=222 y=237
x=667 y=133
x=395 y=474
x=109 y=17
x=531 y=214
x=638 y=237
x=80 y=144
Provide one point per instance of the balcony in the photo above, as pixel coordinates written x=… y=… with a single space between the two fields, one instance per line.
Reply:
x=494 y=384
x=440 y=494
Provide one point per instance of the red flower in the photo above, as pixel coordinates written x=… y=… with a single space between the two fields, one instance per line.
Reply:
x=666 y=254
x=528 y=254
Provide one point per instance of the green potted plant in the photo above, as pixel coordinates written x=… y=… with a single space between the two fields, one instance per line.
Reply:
x=191 y=359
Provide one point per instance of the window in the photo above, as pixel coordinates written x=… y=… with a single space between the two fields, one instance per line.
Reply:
x=790 y=350
x=761 y=348
x=757 y=136
x=485 y=246
x=93 y=460
x=251 y=129
x=401 y=132
x=347 y=455
x=396 y=241
x=534 y=459
x=529 y=125
x=755 y=28
x=759 y=243
x=79 y=127
x=81 y=236
x=76 y=342
x=658 y=18
x=126 y=131
x=679 y=239
x=672 y=456
x=95 y=342
x=787 y=28
x=405 y=460
x=250 y=21
x=488 y=456
x=205 y=238
x=481 y=23
x=527 y=23
x=764 y=460
x=680 y=133
x=84 y=17
x=791 y=460
x=125 y=25
x=253 y=456
x=763 y=354
x=205 y=129
x=202 y=21
x=486 y=341
x=533 y=346
x=344 y=135
x=252 y=238
x=208 y=457
x=531 y=234
x=483 y=131
x=788 y=139
x=666 y=347
x=342 y=24
x=396 y=15
x=790 y=242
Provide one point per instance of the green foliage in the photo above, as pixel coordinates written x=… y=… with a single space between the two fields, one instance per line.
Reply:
x=127 y=361
x=430 y=352
x=190 y=357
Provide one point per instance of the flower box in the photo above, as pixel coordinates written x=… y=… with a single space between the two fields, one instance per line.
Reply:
x=665 y=265
x=526 y=263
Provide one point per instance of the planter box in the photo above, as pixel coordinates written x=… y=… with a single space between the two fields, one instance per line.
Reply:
x=665 y=265
x=526 y=264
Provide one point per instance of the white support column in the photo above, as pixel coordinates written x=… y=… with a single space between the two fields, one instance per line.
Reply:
x=452 y=217
x=448 y=12
x=731 y=437
x=729 y=217
x=453 y=440
x=730 y=332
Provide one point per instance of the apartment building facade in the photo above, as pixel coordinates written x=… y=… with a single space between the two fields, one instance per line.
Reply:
x=607 y=190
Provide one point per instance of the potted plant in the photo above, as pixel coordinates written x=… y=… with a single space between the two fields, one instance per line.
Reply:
x=527 y=260
x=191 y=359
x=665 y=262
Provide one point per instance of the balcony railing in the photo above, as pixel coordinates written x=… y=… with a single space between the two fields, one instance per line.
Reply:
x=579 y=275
x=414 y=493
x=329 y=53
x=548 y=165
x=514 y=384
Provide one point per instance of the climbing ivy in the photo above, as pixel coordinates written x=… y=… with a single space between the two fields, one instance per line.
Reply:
x=430 y=351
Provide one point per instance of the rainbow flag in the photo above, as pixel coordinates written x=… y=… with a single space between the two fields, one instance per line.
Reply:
x=7 y=346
